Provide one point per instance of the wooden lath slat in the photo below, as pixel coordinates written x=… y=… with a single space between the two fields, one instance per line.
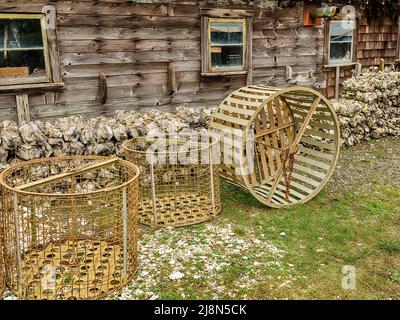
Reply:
x=320 y=144
x=272 y=124
x=316 y=153
x=263 y=153
x=267 y=141
x=229 y=108
x=281 y=122
x=270 y=131
x=288 y=120
x=312 y=172
x=241 y=95
x=232 y=119
x=315 y=116
x=223 y=128
x=296 y=142
x=321 y=134
x=242 y=103
x=313 y=162
x=305 y=179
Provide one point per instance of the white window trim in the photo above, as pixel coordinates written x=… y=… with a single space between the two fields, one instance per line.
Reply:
x=339 y=62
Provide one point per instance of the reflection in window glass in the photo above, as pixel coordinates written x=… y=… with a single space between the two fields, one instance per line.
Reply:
x=226 y=44
x=22 y=52
x=341 y=42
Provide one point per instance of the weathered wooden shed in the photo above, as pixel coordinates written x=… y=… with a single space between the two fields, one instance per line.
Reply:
x=60 y=58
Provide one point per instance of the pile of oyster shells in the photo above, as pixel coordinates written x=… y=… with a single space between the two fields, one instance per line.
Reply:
x=369 y=107
x=79 y=135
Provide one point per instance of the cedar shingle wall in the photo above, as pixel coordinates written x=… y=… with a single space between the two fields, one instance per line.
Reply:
x=377 y=40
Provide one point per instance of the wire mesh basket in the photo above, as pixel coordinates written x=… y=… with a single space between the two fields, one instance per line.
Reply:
x=70 y=227
x=2 y=282
x=179 y=183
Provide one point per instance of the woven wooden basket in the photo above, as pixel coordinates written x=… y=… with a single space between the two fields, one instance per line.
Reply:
x=179 y=182
x=70 y=226
x=262 y=129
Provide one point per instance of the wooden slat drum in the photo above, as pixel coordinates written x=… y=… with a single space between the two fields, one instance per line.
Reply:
x=258 y=124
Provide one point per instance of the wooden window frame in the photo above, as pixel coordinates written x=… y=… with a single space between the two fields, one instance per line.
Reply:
x=43 y=79
x=53 y=79
x=353 y=47
x=232 y=15
x=398 y=39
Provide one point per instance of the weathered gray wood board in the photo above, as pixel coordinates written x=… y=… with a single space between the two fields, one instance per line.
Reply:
x=150 y=56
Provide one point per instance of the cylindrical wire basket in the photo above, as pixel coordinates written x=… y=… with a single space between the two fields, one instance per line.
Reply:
x=70 y=227
x=179 y=182
x=2 y=280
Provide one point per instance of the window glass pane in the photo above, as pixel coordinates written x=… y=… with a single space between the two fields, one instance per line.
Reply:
x=21 y=49
x=340 y=32
x=340 y=52
x=20 y=33
x=23 y=63
x=341 y=39
x=226 y=56
x=226 y=32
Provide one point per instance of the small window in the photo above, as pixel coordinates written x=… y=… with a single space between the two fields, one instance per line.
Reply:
x=226 y=44
x=225 y=47
x=24 y=54
x=340 y=42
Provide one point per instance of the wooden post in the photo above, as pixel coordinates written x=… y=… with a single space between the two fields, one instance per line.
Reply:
x=249 y=51
x=358 y=69
x=51 y=30
x=381 y=65
x=337 y=82
x=22 y=107
x=171 y=85
x=103 y=88
x=289 y=73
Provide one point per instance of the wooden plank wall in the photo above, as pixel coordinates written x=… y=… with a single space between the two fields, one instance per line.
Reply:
x=281 y=40
x=137 y=45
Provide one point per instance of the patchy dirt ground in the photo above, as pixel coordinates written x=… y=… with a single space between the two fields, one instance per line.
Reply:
x=376 y=162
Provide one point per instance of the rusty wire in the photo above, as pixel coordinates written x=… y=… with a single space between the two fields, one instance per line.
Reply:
x=70 y=238
x=174 y=193
x=2 y=280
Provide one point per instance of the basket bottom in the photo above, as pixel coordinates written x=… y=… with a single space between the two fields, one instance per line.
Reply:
x=178 y=210
x=85 y=269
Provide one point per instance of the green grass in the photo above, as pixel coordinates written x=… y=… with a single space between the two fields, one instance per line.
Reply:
x=322 y=236
x=291 y=253
x=317 y=240
x=389 y=246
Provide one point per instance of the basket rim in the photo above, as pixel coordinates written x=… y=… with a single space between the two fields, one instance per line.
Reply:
x=213 y=136
x=11 y=169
